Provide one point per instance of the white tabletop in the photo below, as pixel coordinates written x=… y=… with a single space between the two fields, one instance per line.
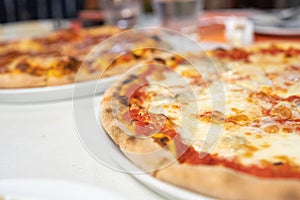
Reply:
x=40 y=141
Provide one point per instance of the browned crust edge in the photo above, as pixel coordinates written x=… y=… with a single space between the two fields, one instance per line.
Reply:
x=61 y=80
x=11 y=81
x=136 y=149
x=8 y=81
x=215 y=181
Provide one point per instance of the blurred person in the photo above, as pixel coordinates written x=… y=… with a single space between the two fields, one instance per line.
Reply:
x=18 y=10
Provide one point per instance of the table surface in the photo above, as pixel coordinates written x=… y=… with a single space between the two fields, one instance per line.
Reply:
x=40 y=140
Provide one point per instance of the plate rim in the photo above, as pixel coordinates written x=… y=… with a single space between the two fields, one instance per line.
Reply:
x=273 y=30
x=54 y=87
x=33 y=95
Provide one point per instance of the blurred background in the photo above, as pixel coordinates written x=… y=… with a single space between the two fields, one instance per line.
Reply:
x=18 y=10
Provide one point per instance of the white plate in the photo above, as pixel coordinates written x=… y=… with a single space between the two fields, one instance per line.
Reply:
x=103 y=149
x=63 y=92
x=266 y=23
x=280 y=31
x=111 y=156
x=43 y=189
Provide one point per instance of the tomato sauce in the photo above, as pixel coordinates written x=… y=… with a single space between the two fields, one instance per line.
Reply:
x=187 y=154
x=146 y=123
x=234 y=54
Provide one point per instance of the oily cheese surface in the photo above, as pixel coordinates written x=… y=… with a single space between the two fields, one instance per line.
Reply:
x=63 y=55
x=244 y=115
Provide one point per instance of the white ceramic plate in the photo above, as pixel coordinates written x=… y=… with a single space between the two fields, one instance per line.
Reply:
x=273 y=30
x=102 y=148
x=266 y=23
x=63 y=92
x=111 y=156
x=42 y=189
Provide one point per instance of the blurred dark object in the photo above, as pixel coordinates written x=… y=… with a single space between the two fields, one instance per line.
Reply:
x=18 y=10
x=147 y=6
x=91 y=4
x=90 y=18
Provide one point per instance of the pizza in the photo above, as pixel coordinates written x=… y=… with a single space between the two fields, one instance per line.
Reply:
x=60 y=57
x=225 y=123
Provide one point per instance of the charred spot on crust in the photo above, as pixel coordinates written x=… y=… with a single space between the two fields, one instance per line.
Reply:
x=277 y=163
x=160 y=60
x=165 y=116
x=129 y=79
x=108 y=110
x=22 y=66
x=73 y=64
x=136 y=56
x=112 y=63
x=73 y=60
x=162 y=141
x=288 y=55
x=131 y=139
x=220 y=49
x=123 y=100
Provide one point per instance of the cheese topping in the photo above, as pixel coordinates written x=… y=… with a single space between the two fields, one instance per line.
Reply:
x=253 y=127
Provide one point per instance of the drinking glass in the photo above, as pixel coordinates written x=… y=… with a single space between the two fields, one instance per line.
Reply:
x=121 y=13
x=180 y=15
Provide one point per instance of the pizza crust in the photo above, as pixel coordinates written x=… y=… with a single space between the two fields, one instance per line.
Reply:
x=62 y=80
x=215 y=181
x=225 y=183
x=136 y=149
x=9 y=81
x=281 y=44
x=47 y=52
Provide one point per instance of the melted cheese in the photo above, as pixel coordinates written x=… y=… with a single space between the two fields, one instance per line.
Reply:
x=246 y=135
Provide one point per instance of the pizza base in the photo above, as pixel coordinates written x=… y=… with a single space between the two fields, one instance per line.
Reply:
x=62 y=80
x=10 y=81
x=67 y=45
x=215 y=181
x=131 y=146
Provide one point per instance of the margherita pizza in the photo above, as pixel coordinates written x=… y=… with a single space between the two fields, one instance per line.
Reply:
x=55 y=59
x=228 y=129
